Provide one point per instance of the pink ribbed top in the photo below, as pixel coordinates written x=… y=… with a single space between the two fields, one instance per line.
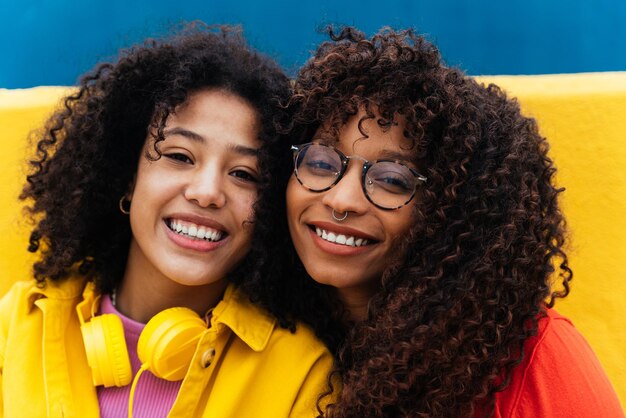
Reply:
x=154 y=397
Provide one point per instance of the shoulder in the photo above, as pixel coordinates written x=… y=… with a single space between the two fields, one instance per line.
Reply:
x=19 y=288
x=259 y=330
x=19 y=294
x=559 y=376
x=14 y=306
x=20 y=301
x=303 y=339
x=299 y=360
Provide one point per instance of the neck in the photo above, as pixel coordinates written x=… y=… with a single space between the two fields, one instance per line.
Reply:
x=356 y=303
x=144 y=292
x=141 y=303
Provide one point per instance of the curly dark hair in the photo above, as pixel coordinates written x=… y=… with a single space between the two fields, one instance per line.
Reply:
x=87 y=156
x=481 y=263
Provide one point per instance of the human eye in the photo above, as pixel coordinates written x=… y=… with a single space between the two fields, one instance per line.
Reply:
x=391 y=177
x=245 y=176
x=178 y=157
x=394 y=183
x=321 y=166
x=321 y=162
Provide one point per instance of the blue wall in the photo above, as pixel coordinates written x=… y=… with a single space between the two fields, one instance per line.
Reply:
x=44 y=42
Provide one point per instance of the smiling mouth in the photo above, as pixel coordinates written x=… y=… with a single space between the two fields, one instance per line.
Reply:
x=194 y=231
x=341 y=239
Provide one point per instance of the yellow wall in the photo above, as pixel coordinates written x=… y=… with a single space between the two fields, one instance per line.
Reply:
x=21 y=111
x=583 y=116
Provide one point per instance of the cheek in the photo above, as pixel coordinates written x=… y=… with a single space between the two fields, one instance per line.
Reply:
x=150 y=181
x=400 y=222
x=294 y=195
x=243 y=206
x=243 y=215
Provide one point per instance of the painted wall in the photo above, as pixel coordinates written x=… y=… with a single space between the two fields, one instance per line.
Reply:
x=52 y=42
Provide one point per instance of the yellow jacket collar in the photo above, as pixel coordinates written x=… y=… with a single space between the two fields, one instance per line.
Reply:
x=70 y=288
x=250 y=323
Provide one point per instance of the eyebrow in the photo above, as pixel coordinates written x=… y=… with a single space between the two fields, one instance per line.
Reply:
x=239 y=149
x=243 y=150
x=395 y=155
x=184 y=132
x=406 y=156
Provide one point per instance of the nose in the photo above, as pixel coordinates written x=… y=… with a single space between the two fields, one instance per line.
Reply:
x=347 y=195
x=206 y=188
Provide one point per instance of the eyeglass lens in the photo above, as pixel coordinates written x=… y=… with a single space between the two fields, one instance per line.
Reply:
x=387 y=184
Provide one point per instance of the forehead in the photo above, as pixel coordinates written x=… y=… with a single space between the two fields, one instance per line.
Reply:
x=364 y=136
x=218 y=116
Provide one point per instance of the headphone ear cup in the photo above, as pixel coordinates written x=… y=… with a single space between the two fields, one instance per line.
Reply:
x=106 y=350
x=168 y=342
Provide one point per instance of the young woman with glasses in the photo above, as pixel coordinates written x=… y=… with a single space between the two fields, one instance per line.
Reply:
x=424 y=205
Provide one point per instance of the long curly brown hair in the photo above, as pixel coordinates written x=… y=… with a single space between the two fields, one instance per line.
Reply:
x=86 y=157
x=477 y=269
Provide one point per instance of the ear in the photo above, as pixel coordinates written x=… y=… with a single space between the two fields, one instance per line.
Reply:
x=131 y=188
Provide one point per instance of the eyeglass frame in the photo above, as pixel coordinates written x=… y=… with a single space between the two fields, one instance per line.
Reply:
x=345 y=159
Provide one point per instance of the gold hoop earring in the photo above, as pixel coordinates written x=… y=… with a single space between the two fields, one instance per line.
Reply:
x=121 y=205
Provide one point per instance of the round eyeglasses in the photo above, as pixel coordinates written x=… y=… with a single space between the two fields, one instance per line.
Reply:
x=388 y=184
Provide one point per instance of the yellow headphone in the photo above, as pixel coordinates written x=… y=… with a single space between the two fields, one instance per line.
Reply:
x=165 y=347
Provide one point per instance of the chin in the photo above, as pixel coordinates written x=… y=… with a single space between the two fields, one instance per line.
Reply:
x=193 y=278
x=332 y=278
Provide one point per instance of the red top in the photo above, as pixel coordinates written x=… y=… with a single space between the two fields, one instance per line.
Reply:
x=560 y=376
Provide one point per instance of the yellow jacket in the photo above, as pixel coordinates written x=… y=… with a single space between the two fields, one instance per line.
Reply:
x=259 y=369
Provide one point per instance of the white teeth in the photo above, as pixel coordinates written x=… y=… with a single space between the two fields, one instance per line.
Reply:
x=340 y=238
x=189 y=229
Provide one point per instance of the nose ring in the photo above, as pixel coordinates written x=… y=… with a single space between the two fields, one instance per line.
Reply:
x=345 y=215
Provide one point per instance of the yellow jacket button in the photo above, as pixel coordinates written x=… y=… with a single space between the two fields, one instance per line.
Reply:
x=207 y=357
